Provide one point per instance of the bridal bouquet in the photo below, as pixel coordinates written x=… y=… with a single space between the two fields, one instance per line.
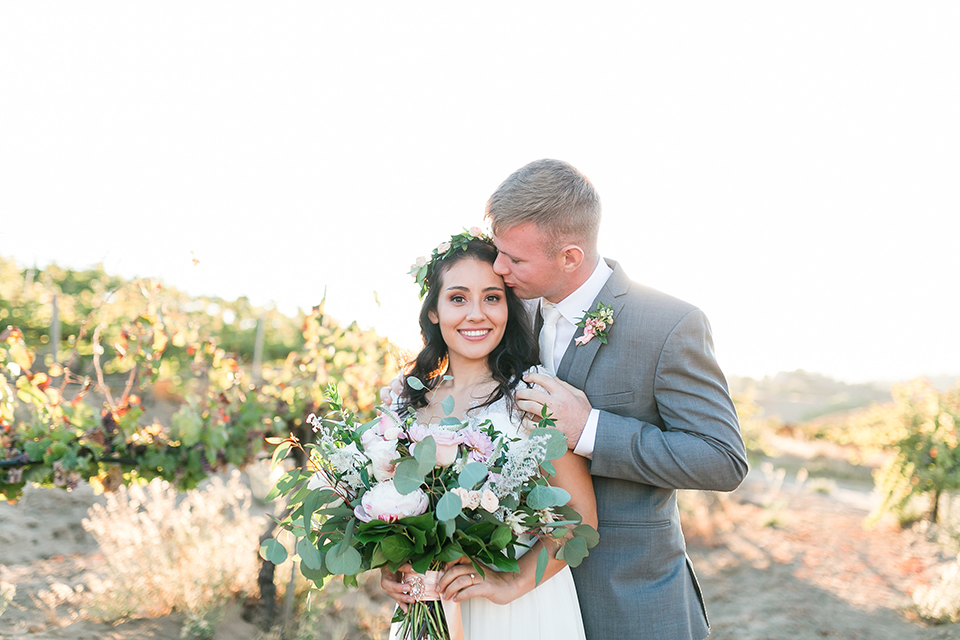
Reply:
x=392 y=491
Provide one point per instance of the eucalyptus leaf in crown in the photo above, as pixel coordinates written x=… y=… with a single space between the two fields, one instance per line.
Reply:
x=423 y=268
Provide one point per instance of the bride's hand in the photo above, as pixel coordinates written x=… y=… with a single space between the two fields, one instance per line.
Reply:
x=461 y=581
x=391 y=583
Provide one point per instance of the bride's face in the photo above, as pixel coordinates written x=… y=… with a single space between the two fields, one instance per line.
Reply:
x=471 y=309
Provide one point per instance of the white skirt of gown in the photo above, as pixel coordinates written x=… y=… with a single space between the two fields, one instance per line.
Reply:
x=551 y=611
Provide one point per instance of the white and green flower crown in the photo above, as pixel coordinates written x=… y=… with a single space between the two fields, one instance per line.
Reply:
x=423 y=268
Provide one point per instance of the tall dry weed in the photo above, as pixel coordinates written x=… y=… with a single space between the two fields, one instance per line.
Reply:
x=940 y=602
x=167 y=551
x=7 y=593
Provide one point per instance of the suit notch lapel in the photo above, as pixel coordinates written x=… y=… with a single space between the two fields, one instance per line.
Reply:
x=578 y=359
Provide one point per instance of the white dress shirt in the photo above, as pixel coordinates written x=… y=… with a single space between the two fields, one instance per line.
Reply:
x=572 y=309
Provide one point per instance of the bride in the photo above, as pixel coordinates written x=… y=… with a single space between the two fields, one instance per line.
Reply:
x=478 y=343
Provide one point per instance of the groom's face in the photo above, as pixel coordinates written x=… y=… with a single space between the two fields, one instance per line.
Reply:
x=524 y=265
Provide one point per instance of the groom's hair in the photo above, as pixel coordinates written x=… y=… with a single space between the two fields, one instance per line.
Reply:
x=555 y=197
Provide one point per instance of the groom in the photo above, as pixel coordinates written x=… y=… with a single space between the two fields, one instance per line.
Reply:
x=650 y=408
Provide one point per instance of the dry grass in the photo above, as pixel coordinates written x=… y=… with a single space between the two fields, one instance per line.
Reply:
x=7 y=593
x=940 y=602
x=166 y=551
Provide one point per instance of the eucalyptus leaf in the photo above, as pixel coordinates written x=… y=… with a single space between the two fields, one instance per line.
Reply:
x=548 y=468
x=317 y=575
x=272 y=551
x=447 y=404
x=310 y=505
x=367 y=425
x=449 y=507
x=407 y=478
x=543 y=497
x=556 y=443
x=309 y=554
x=415 y=383
x=449 y=421
x=426 y=455
x=286 y=482
x=343 y=560
x=297 y=496
x=542 y=560
x=574 y=551
x=449 y=528
x=297 y=527
x=588 y=533
x=280 y=453
x=472 y=474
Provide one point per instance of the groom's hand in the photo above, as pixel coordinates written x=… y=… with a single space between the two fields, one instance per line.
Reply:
x=388 y=393
x=566 y=404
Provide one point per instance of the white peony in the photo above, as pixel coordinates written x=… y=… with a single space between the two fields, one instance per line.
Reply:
x=384 y=502
x=382 y=453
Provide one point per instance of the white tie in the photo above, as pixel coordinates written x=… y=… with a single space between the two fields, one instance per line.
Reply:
x=548 y=334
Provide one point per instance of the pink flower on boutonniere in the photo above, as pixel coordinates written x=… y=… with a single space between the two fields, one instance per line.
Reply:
x=595 y=324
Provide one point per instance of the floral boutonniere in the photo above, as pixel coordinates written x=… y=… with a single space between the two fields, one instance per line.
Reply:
x=596 y=324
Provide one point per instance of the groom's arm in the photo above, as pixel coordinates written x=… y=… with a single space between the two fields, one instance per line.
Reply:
x=700 y=446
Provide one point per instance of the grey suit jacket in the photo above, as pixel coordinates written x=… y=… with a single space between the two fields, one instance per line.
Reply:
x=666 y=422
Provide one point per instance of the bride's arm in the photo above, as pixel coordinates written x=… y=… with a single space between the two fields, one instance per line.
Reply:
x=573 y=475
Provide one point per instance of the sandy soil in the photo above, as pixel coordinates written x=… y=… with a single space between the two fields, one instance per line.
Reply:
x=774 y=562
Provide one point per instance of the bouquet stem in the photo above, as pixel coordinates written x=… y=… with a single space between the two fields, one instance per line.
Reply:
x=426 y=619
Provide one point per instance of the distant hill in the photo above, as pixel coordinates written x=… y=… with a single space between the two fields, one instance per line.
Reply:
x=798 y=396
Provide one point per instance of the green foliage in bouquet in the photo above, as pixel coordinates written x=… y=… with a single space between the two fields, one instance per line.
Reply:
x=390 y=491
x=927 y=459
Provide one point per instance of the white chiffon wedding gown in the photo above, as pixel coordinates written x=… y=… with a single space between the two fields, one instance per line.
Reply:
x=550 y=611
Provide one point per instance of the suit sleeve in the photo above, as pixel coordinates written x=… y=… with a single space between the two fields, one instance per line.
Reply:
x=700 y=446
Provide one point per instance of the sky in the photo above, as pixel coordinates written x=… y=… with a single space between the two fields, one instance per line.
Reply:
x=791 y=168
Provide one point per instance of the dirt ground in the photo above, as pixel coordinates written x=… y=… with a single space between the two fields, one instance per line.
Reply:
x=775 y=561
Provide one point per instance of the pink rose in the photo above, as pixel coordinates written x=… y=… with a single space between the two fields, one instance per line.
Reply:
x=389 y=427
x=489 y=501
x=463 y=494
x=384 y=502
x=448 y=442
x=476 y=232
x=443 y=247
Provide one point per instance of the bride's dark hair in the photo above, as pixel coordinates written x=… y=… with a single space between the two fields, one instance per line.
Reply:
x=516 y=352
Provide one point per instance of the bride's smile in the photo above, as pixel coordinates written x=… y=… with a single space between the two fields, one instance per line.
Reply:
x=471 y=311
